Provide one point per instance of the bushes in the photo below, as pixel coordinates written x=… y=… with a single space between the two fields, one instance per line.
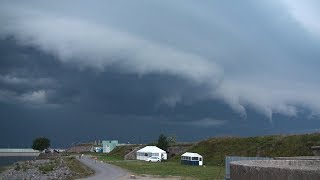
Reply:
x=45 y=168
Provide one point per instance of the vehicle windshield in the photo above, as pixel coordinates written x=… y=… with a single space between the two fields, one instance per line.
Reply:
x=154 y=157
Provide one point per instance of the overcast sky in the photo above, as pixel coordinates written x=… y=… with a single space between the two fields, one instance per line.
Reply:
x=129 y=70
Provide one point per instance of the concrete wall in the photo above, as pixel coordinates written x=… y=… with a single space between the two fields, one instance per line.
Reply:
x=230 y=159
x=19 y=152
x=316 y=150
x=275 y=170
x=310 y=158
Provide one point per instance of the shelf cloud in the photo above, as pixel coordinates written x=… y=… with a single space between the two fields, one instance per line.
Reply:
x=260 y=55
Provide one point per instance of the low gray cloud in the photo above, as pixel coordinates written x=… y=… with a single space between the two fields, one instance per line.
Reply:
x=205 y=123
x=23 y=81
x=306 y=13
x=31 y=99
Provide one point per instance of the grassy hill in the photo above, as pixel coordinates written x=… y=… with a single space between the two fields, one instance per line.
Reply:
x=214 y=150
x=120 y=151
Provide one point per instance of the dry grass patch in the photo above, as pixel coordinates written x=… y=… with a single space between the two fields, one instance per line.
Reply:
x=79 y=169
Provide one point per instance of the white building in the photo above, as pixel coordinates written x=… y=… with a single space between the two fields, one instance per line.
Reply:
x=192 y=159
x=148 y=151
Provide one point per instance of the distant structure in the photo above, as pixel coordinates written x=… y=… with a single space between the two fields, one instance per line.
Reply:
x=19 y=152
x=316 y=150
x=97 y=149
x=97 y=143
x=108 y=146
x=178 y=149
x=190 y=158
x=151 y=151
x=80 y=148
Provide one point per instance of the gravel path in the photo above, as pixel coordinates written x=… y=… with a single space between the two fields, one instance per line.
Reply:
x=103 y=170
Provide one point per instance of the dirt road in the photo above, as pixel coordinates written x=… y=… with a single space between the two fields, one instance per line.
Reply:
x=103 y=170
x=110 y=172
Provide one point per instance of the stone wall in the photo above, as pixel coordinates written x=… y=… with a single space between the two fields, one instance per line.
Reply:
x=275 y=170
x=132 y=155
x=316 y=150
x=176 y=150
x=310 y=158
x=80 y=148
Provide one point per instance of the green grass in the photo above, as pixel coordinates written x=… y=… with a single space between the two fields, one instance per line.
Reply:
x=47 y=167
x=117 y=154
x=168 y=168
x=171 y=168
x=104 y=157
x=120 y=151
x=4 y=168
x=80 y=170
x=214 y=150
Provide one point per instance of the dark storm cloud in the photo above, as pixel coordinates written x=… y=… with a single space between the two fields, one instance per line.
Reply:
x=75 y=100
x=179 y=66
x=239 y=55
x=35 y=76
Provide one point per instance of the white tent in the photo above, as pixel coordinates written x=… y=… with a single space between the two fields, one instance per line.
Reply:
x=192 y=159
x=148 y=151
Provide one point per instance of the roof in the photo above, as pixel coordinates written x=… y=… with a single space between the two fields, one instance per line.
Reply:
x=151 y=149
x=190 y=154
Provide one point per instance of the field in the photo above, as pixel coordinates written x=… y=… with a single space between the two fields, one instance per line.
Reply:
x=164 y=169
x=172 y=168
x=214 y=151
x=168 y=168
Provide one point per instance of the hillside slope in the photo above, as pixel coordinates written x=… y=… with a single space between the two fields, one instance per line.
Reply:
x=214 y=150
x=120 y=151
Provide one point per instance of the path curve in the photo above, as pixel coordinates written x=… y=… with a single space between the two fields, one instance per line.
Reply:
x=103 y=170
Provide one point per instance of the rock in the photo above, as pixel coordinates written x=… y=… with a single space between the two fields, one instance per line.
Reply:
x=30 y=170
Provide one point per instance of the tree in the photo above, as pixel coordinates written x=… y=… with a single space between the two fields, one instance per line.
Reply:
x=172 y=140
x=163 y=142
x=40 y=143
